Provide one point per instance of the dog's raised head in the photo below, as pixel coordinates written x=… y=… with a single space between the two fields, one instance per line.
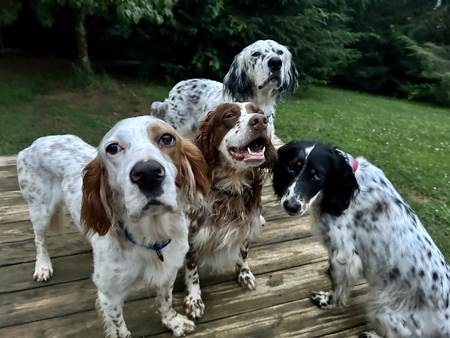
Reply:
x=236 y=134
x=144 y=167
x=309 y=173
x=265 y=66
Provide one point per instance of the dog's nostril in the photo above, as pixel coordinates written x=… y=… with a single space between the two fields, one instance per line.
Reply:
x=147 y=173
x=292 y=207
x=259 y=122
x=274 y=63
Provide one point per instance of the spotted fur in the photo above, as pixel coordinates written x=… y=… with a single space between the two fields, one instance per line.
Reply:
x=143 y=178
x=261 y=73
x=369 y=230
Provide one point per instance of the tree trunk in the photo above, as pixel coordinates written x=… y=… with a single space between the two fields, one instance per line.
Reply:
x=83 y=55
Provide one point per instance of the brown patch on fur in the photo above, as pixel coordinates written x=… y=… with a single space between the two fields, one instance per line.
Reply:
x=253 y=108
x=187 y=158
x=190 y=261
x=97 y=206
x=192 y=168
x=213 y=129
x=227 y=202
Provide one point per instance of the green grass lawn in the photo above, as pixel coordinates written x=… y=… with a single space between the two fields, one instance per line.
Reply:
x=41 y=97
x=409 y=141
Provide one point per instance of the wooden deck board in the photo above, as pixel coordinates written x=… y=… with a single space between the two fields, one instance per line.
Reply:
x=287 y=261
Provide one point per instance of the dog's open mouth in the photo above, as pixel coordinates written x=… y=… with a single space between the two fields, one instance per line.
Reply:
x=252 y=152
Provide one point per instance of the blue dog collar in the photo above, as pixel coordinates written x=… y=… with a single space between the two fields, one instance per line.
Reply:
x=157 y=247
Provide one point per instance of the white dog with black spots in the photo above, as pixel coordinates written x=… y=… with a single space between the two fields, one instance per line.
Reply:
x=261 y=73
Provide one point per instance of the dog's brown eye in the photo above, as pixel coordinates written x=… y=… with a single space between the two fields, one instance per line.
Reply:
x=280 y=52
x=256 y=54
x=229 y=116
x=317 y=176
x=167 y=140
x=113 y=148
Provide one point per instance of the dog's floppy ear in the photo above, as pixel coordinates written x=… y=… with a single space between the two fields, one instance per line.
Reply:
x=290 y=81
x=192 y=176
x=281 y=178
x=98 y=213
x=204 y=140
x=341 y=186
x=236 y=82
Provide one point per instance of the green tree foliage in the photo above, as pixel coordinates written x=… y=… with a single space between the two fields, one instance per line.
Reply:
x=8 y=14
x=429 y=67
x=390 y=47
x=403 y=49
x=203 y=36
x=76 y=11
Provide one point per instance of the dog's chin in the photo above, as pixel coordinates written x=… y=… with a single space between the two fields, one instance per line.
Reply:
x=273 y=81
x=153 y=207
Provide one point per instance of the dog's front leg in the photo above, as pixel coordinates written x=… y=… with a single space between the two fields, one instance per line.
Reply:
x=245 y=276
x=345 y=269
x=111 y=306
x=180 y=325
x=193 y=303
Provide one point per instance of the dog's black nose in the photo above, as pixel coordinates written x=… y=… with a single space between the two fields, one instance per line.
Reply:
x=148 y=175
x=292 y=207
x=274 y=64
x=258 y=122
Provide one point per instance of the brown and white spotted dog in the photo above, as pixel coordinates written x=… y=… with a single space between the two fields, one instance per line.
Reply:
x=235 y=140
x=130 y=197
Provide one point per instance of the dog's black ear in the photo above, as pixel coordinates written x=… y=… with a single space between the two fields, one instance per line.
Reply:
x=290 y=81
x=341 y=186
x=237 y=83
x=280 y=176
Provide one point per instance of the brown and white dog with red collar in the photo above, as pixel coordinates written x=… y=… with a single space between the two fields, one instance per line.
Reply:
x=236 y=143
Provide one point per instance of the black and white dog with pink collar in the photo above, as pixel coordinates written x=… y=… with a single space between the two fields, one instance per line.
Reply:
x=370 y=231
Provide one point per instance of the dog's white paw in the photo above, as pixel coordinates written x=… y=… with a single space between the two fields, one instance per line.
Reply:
x=180 y=325
x=194 y=306
x=322 y=299
x=43 y=272
x=246 y=279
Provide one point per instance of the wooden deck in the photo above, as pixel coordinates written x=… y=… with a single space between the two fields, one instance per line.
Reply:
x=288 y=263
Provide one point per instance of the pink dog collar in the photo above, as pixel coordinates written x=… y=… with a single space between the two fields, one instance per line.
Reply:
x=355 y=165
